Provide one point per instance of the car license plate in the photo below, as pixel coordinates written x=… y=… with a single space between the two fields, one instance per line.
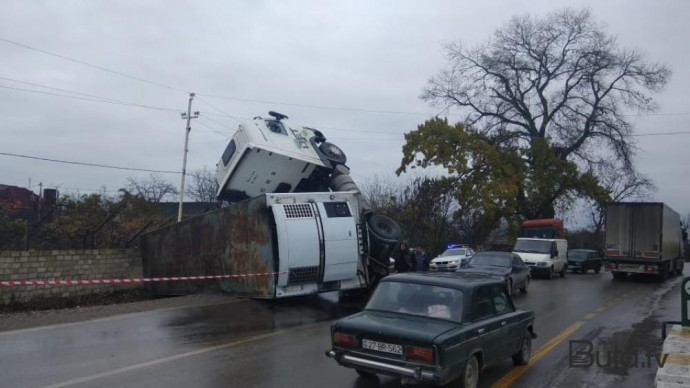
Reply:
x=381 y=347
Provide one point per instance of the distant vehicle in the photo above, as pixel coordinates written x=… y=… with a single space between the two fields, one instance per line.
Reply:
x=543 y=256
x=643 y=238
x=542 y=228
x=504 y=266
x=582 y=260
x=451 y=259
x=434 y=327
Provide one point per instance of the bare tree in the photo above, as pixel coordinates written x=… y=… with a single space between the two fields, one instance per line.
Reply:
x=621 y=184
x=380 y=193
x=203 y=186
x=154 y=188
x=560 y=78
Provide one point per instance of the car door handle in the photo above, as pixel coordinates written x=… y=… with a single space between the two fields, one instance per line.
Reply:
x=504 y=323
x=481 y=331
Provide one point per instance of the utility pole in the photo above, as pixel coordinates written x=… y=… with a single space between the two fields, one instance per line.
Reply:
x=188 y=116
x=40 y=200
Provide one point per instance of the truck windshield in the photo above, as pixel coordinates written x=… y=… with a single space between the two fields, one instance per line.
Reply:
x=533 y=246
x=418 y=299
x=538 y=232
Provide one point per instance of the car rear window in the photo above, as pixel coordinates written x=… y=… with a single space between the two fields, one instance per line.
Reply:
x=418 y=299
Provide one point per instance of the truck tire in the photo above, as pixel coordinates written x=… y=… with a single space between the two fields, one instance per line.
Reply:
x=384 y=228
x=664 y=271
x=563 y=269
x=619 y=275
x=333 y=153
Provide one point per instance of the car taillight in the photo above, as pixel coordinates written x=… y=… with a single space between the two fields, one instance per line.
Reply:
x=343 y=339
x=612 y=266
x=652 y=270
x=419 y=354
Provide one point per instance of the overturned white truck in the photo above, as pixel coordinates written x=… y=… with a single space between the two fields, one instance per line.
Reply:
x=295 y=224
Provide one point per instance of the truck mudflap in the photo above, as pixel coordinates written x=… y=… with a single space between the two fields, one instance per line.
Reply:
x=236 y=240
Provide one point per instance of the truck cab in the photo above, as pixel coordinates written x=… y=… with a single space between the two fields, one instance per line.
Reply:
x=275 y=155
x=542 y=228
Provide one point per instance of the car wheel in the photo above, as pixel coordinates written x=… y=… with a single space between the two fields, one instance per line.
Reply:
x=524 y=287
x=510 y=287
x=364 y=374
x=597 y=269
x=523 y=356
x=565 y=268
x=470 y=377
x=550 y=274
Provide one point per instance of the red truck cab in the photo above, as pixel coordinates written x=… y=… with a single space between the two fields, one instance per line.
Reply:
x=542 y=228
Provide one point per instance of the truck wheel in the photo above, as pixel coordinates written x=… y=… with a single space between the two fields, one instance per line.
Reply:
x=523 y=356
x=619 y=275
x=333 y=153
x=470 y=376
x=664 y=272
x=384 y=227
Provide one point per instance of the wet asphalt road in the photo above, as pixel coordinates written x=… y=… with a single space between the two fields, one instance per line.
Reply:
x=246 y=343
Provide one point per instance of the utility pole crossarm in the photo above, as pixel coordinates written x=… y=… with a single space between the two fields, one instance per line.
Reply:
x=185 y=116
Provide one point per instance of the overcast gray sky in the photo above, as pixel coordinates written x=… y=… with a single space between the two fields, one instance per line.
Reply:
x=300 y=55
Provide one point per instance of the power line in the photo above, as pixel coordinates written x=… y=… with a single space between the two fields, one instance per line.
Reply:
x=663 y=134
x=351 y=109
x=219 y=110
x=93 y=66
x=211 y=130
x=88 y=164
x=100 y=99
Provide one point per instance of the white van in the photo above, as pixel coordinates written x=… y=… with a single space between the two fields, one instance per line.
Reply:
x=543 y=256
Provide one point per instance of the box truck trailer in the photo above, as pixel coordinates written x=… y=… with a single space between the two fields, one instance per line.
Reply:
x=643 y=238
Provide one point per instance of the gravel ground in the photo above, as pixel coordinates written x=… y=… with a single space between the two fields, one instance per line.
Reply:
x=114 y=304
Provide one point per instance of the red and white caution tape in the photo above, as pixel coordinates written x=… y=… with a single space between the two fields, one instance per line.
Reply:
x=11 y=283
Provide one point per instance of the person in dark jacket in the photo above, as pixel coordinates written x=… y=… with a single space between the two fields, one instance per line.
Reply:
x=404 y=262
x=421 y=263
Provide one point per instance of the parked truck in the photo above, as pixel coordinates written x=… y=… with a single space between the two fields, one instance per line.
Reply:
x=295 y=222
x=643 y=238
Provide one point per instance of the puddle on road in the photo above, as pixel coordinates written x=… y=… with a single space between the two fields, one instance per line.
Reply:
x=251 y=316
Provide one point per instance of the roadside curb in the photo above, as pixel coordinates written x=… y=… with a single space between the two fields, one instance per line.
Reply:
x=676 y=371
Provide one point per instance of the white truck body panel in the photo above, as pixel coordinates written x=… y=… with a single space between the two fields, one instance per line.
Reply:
x=642 y=231
x=318 y=242
x=642 y=238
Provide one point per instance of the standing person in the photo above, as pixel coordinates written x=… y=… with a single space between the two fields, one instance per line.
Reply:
x=420 y=260
x=404 y=262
